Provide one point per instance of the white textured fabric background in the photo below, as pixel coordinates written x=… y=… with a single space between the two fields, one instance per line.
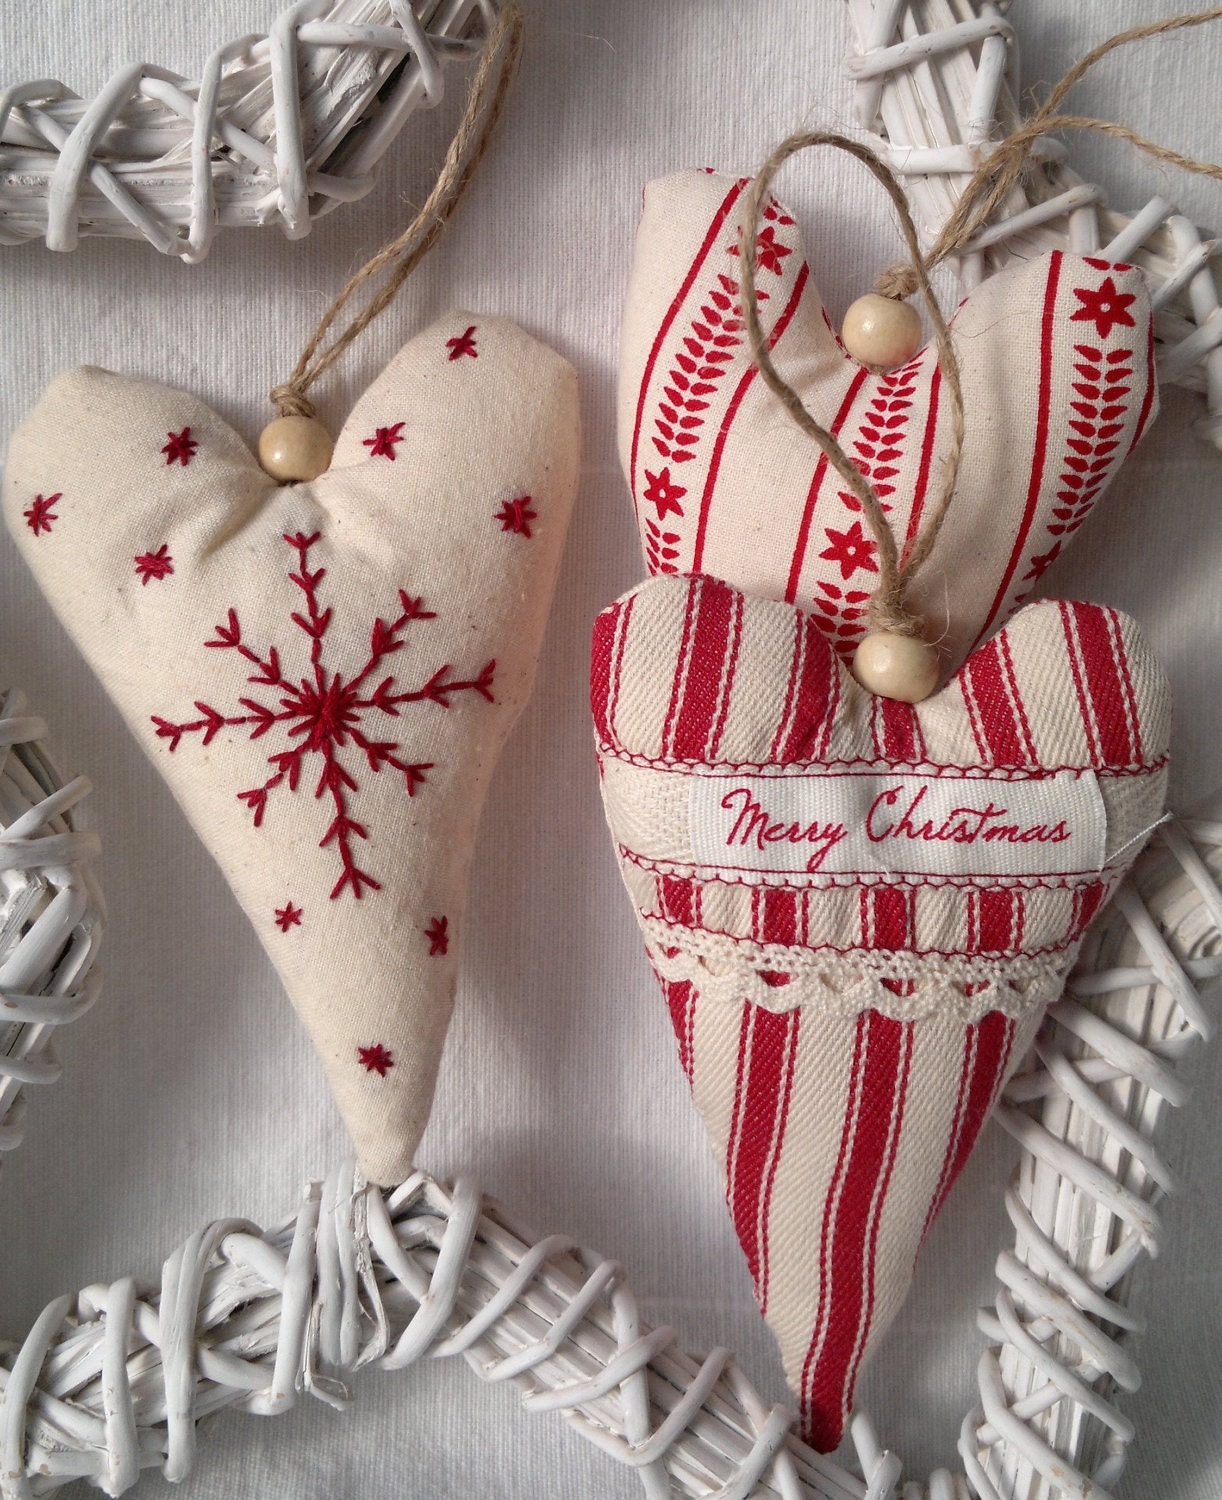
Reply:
x=191 y=1092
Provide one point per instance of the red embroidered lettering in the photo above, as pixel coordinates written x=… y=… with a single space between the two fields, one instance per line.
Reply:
x=753 y=822
x=962 y=825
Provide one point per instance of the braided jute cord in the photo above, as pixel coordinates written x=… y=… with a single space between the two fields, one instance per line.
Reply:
x=485 y=104
x=887 y=610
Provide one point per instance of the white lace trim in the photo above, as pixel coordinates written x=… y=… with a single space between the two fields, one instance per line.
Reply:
x=731 y=970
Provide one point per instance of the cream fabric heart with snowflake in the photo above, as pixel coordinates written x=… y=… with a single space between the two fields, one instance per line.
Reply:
x=323 y=672
x=1056 y=364
x=858 y=910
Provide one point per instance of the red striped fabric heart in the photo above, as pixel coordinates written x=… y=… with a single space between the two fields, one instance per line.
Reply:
x=1056 y=359
x=858 y=910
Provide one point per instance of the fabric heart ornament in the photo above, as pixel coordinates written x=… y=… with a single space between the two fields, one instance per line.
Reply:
x=324 y=672
x=1056 y=360
x=858 y=910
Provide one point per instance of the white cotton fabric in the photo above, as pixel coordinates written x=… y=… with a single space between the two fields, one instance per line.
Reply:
x=324 y=672
x=191 y=1092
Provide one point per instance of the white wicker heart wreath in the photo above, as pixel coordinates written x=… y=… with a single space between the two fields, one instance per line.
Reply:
x=279 y=128
x=116 y=1379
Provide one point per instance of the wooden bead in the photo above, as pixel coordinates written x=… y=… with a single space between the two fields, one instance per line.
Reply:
x=881 y=332
x=294 y=448
x=902 y=667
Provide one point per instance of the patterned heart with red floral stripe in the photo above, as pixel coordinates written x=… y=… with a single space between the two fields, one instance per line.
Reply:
x=1056 y=357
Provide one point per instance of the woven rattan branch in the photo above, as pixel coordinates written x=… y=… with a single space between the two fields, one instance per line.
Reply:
x=279 y=128
x=114 y=1380
x=51 y=913
x=936 y=81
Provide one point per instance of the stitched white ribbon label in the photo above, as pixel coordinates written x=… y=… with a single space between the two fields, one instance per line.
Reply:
x=872 y=822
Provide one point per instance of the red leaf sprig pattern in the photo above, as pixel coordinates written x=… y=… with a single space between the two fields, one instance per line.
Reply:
x=323 y=719
x=707 y=349
x=1102 y=388
x=876 y=451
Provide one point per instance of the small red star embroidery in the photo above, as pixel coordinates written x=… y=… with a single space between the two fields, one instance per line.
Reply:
x=516 y=516
x=663 y=494
x=438 y=935
x=769 y=252
x=463 y=343
x=376 y=1059
x=288 y=916
x=851 y=549
x=382 y=443
x=181 y=446
x=39 y=515
x=1105 y=308
x=157 y=564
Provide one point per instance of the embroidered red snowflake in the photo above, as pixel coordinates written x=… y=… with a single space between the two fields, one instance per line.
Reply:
x=1106 y=307
x=438 y=934
x=157 y=564
x=770 y=253
x=181 y=447
x=324 y=715
x=663 y=494
x=376 y=1059
x=851 y=549
x=516 y=516
x=288 y=916
x=463 y=343
x=382 y=443
x=39 y=514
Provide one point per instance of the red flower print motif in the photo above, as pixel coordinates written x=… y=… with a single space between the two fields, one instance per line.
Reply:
x=181 y=447
x=39 y=514
x=516 y=516
x=851 y=549
x=770 y=253
x=322 y=714
x=664 y=495
x=463 y=343
x=382 y=443
x=1105 y=308
x=288 y=916
x=438 y=935
x=157 y=564
x=376 y=1059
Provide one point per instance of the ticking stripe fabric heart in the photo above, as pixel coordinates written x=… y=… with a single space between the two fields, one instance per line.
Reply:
x=1056 y=361
x=324 y=672
x=858 y=910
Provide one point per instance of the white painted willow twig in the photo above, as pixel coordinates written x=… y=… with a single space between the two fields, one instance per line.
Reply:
x=936 y=81
x=51 y=912
x=115 y=1379
x=1084 y=1199
x=277 y=128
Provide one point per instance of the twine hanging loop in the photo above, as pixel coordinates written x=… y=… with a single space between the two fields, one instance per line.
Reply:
x=295 y=445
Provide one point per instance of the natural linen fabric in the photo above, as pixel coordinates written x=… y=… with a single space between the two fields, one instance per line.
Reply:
x=846 y=1031
x=323 y=672
x=1056 y=364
